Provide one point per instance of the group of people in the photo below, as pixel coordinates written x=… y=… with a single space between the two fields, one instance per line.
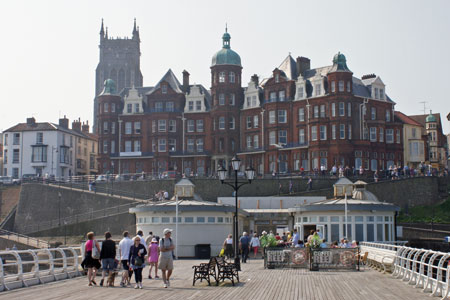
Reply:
x=162 y=195
x=134 y=253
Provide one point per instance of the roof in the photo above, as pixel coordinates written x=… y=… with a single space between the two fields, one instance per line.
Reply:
x=289 y=67
x=343 y=181
x=47 y=126
x=339 y=63
x=184 y=182
x=422 y=118
x=405 y=119
x=141 y=90
x=226 y=56
x=171 y=79
x=339 y=205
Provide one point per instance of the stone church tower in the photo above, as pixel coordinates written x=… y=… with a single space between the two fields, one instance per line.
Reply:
x=119 y=61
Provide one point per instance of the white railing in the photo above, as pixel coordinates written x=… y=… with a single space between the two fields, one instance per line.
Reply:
x=22 y=268
x=425 y=269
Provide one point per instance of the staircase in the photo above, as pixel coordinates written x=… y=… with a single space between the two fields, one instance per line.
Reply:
x=23 y=239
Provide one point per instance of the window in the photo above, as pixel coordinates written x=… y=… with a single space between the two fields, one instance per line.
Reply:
x=137 y=146
x=127 y=128
x=211 y=219
x=373 y=113
x=388 y=115
x=255 y=121
x=317 y=89
x=64 y=155
x=221 y=99
x=273 y=97
x=188 y=219
x=129 y=108
x=39 y=138
x=349 y=109
x=222 y=77
x=349 y=131
x=191 y=106
x=341 y=109
x=190 y=126
x=172 y=126
x=169 y=107
x=113 y=107
x=322 y=111
x=232 y=123
x=272 y=138
x=190 y=145
x=106 y=107
x=373 y=134
x=136 y=108
x=199 y=145
x=249 y=142
x=161 y=145
x=277 y=78
x=113 y=128
x=272 y=117
x=333 y=109
x=389 y=136
x=376 y=93
x=348 y=86
x=323 y=132
x=398 y=136
x=113 y=146
x=249 y=122
x=381 y=135
x=341 y=85
x=105 y=147
x=198 y=105
x=314 y=133
x=333 y=86
x=231 y=77
x=161 y=125
x=316 y=111
x=253 y=101
x=128 y=146
x=365 y=133
x=333 y=131
x=164 y=88
x=256 y=141
x=301 y=136
x=16 y=139
x=282 y=95
x=300 y=93
x=301 y=114
x=232 y=99
x=282 y=116
x=222 y=123
x=158 y=107
x=413 y=132
x=6 y=140
x=137 y=127
x=248 y=102
x=282 y=137
x=172 y=145
x=199 y=125
x=39 y=154
x=200 y=219
x=342 y=131
x=105 y=128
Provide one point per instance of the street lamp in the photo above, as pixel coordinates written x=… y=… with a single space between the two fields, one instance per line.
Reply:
x=235 y=184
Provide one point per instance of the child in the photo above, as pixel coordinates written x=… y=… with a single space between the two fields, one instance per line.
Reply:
x=153 y=254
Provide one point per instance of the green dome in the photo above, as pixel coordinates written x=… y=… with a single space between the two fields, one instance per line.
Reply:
x=226 y=56
x=109 y=87
x=430 y=118
x=340 y=63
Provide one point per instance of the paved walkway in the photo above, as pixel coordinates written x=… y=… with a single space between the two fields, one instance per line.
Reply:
x=256 y=283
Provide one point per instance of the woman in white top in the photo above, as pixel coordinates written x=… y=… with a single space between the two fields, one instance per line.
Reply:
x=255 y=244
x=228 y=246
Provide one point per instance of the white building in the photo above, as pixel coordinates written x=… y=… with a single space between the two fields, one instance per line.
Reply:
x=40 y=148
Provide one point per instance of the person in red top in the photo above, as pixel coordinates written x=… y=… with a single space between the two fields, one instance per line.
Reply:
x=92 y=264
x=277 y=236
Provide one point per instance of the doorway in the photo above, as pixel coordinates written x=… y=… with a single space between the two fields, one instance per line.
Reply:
x=306 y=231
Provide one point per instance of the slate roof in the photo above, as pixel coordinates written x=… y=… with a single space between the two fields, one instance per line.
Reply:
x=171 y=79
x=47 y=126
x=406 y=120
x=289 y=67
x=141 y=90
x=421 y=118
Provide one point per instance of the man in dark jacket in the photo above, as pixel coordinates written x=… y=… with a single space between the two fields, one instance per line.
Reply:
x=107 y=255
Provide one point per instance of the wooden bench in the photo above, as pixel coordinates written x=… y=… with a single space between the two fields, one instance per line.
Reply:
x=226 y=271
x=206 y=271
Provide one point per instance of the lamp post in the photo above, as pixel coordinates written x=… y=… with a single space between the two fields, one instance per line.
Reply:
x=236 y=184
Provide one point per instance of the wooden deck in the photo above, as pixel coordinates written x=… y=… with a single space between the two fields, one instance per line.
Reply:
x=256 y=283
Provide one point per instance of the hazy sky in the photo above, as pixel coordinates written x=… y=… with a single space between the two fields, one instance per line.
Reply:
x=49 y=49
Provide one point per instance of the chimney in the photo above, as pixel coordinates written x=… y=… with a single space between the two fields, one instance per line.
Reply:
x=76 y=125
x=64 y=122
x=368 y=76
x=186 y=81
x=303 y=64
x=85 y=127
x=255 y=79
x=31 y=121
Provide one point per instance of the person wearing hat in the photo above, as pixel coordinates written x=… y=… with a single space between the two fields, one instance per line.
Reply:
x=165 y=263
x=153 y=254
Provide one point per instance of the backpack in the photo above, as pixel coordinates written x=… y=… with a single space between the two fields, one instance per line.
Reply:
x=170 y=240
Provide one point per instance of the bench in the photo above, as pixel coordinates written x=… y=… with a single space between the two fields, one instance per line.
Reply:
x=226 y=271
x=205 y=271
x=380 y=260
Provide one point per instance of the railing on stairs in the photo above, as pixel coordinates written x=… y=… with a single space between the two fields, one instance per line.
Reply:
x=23 y=239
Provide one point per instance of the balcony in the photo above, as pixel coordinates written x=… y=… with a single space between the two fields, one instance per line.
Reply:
x=131 y=154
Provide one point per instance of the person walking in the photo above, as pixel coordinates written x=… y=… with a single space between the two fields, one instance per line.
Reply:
x=309 y=184
x=91 y=260
x=166 y=248
x=228 y=246
x=124 y=251
x=153 y=254
x=136 y=260
x=244 y=243
x=255 y=244
x=107 y=256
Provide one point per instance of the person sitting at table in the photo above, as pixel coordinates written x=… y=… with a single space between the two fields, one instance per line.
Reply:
x=300 y=244
x=323 y=244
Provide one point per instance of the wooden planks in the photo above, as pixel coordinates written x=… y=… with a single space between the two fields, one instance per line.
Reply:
x=256 y=283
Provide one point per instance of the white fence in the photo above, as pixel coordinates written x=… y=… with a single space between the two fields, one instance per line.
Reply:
x=22 y=268
x=425 y=269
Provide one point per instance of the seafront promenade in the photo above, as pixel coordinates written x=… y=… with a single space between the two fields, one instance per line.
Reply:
x=256 y=283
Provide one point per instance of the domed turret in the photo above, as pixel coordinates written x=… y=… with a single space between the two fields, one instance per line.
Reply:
x=109 y=87
x=226 y=56
x=430 y=118
x=339 y=63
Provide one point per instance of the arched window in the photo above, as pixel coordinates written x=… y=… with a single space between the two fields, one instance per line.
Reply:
x=222 y=77
x=231 y=77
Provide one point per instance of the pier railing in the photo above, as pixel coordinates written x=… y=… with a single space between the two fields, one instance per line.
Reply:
x=424 y=269
x=22 y=268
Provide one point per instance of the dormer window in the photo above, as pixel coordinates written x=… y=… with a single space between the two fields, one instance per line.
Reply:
x=198 y=105
x=300 y=93
x=376 y=93
x=282 y=95
x=129 y=108
x=341 y=85
x=164 y=89
x=317 y=89
x=222 y=77
x=136 y=108
x=333 y=86
x=253 y=101
x=231 y=77
x=382 y=94
x=248 y=101
x=273 y=97
x=191 y=105
x=277 y=78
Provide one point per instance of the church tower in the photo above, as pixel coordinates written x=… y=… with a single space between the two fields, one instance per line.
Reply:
x=119 y=61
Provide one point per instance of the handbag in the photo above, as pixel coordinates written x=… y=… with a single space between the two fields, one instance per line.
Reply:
x=138 y=261
x=95 y=252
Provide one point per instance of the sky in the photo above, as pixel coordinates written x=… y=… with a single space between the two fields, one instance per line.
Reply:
x=49 y=49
